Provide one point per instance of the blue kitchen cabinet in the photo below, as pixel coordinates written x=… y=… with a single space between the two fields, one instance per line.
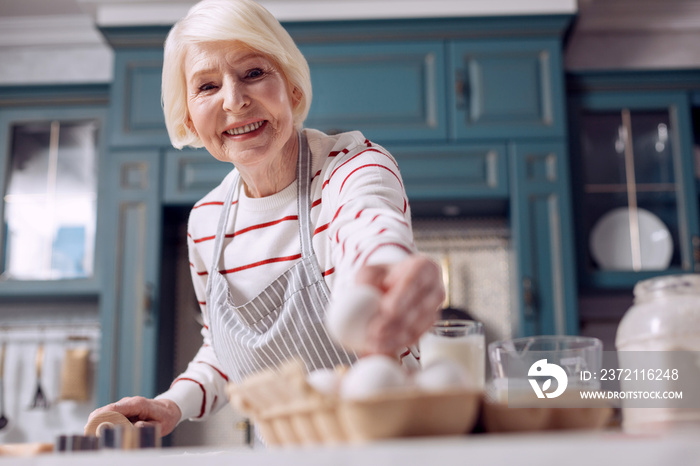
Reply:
x=633 y=156
x=389 y=91
x=396 y=91
x=506 y=88
x=129 y=304
x=541 y=228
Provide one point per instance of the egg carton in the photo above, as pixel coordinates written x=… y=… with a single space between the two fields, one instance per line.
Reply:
x=501 y=418
x=289 y=411
x=526 y=413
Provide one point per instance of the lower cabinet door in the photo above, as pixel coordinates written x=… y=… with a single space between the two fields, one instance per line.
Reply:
x=128 y=364
x=541 y=228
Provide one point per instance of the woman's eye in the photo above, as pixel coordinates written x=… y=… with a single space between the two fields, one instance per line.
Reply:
x=206 y=87
x=254 y=73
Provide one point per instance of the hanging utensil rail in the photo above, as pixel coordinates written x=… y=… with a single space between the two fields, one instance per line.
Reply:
x=64 y=332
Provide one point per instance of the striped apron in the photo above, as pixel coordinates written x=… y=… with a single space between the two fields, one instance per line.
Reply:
x=286 y=319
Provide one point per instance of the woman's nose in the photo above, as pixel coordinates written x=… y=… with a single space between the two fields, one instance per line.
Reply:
x=235 y=96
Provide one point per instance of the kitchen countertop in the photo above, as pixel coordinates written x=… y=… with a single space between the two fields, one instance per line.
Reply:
x=571 y=449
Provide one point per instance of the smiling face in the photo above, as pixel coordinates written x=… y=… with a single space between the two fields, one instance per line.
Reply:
x=240 y=106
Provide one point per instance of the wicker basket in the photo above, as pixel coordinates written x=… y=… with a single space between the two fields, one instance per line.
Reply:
x=288 y=411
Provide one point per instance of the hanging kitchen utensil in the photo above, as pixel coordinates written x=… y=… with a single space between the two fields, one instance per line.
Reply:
x=75 y=374
x=3 y=419
x=40 y=400
x=448 y=312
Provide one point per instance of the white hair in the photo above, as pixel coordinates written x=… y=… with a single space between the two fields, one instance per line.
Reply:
x=228 y=20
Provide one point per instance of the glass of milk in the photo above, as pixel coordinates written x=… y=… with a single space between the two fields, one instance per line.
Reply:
x=462 y=341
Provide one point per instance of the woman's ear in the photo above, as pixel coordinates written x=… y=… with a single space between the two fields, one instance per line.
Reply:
x=296 y=96
x=190 y=126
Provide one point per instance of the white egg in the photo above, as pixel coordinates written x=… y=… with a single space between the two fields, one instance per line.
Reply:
x=325 y=381
x=373 y=375
x=441 y=375
x=349 y=313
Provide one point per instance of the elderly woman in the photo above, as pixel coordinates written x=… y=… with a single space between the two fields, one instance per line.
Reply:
x=301 y=214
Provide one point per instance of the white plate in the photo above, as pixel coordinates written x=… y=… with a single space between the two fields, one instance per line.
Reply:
x=611 y=246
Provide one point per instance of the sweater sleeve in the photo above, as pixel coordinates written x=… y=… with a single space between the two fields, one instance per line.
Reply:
x=371 y=224
x=201 y=389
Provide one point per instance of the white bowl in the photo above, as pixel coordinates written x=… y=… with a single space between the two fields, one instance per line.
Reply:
x=611 y=244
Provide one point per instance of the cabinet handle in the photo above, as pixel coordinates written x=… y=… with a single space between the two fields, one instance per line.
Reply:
x=148 y=304
x=528 y=297
x=461 y=90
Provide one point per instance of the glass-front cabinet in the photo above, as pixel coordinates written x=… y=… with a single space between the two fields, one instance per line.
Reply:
x=636 y=209
x=49 y=206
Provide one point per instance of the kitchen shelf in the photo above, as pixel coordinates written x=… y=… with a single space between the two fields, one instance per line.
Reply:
x=622 y=188
x=620 y=280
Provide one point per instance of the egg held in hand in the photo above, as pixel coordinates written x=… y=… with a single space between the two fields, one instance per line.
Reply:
x=349 y=313
x=373 y=375
x=442 y=375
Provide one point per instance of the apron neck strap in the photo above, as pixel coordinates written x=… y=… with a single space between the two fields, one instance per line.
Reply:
x=304 y=195
x=221 y=228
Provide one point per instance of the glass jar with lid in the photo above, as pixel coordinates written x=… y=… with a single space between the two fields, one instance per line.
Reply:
x=658 y=341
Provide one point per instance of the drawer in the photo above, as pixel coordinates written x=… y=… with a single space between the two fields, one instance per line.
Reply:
x=453 y=172
x=190 y=174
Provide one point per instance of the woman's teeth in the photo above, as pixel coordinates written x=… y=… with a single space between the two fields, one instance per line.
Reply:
x=245 y=129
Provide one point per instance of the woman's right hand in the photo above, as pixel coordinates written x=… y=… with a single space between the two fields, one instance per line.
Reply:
x=144 y=411
x=412 y=294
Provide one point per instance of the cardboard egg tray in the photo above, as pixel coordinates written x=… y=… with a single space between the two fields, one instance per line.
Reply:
x=289 y=411
x=528 y=414
x=499 y=418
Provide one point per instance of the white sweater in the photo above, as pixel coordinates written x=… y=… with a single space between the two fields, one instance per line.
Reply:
x=359 y=214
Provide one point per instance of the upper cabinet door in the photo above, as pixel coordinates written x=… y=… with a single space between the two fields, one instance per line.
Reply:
x=506 y=88
x=136 y=113
x=389 y=91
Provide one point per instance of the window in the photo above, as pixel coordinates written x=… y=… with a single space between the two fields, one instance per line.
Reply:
x=51 y=200
x=49 y=184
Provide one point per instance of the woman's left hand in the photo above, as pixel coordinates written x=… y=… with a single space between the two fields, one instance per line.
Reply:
x=412 y=294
